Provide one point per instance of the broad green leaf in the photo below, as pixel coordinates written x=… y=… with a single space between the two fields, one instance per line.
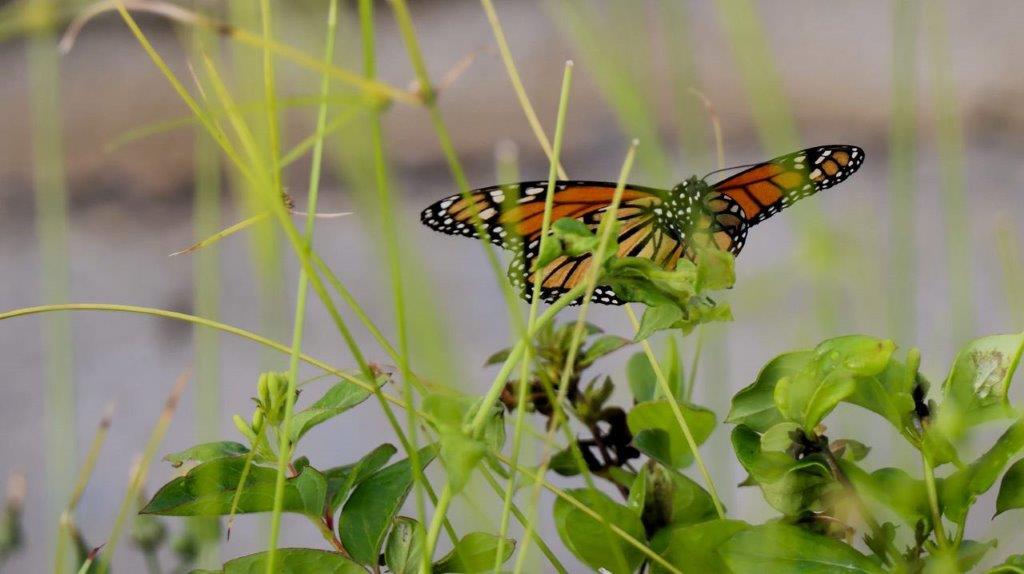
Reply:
x=715 y=270
x=959 y=490
x=593 y=542
x=371 y=508
x=1011 y=489
x=788 y=485
x=404 y=551
x=694 y=547
x=342 y=479
x=294 y=561
x=453 y=411
x=460 y=454
x=849 y=449
x=640 y=375
x=575 y=237
x=657 y=319
x=338 y=399
x=601 y=347
x=976 y=389
x=475 y=552
x=887 y=393
x=1012 y=565
x=668 y=498
x=966 y=557
x=810 y=395
x=780 y=548
x=208 y=489
x=657 y=432
x=206 y=452
x=982 y=372
x=644 y=281
x=894 y=489
x=860 y=355
x=564 y=462
x=779 y=437
x=754 y=406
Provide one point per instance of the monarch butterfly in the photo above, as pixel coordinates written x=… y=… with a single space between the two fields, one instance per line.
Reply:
x=661 y=225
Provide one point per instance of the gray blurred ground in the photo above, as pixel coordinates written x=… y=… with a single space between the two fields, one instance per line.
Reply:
x=130 y=208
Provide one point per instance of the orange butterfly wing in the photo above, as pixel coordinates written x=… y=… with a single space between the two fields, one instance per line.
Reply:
x=769 y=187
x=512 y=217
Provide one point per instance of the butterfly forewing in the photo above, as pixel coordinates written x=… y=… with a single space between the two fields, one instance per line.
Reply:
x=769 y=187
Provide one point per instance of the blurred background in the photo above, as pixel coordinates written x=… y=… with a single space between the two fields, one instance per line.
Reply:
x=103 y=175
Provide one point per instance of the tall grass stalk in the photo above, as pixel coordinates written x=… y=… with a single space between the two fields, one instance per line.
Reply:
x=949 y=138
x=141 y=468
x=285 y=446
x=52 y=234
x=777 y=130
x=388 y=219
x=902 y=143
x=67 y=527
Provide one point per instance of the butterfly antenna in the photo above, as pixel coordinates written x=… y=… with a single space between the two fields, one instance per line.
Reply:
x=730 y=168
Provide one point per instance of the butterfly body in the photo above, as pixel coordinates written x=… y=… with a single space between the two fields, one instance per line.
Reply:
x=657 y=224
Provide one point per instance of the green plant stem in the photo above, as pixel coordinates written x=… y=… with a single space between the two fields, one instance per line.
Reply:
x=517 y=86
x=67 y=518
x=387 y=219
x=51 y=221
x=537 y=539
x=285 y=446
x=138 y=475
x=933 y=501
x=952 y=181
x=666 y=390
x=440 y=511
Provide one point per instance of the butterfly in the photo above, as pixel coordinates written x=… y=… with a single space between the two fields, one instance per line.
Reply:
x=657 y=224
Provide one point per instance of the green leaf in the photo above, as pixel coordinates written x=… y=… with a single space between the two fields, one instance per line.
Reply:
x=206 y=452
x=475 y=552
x=564 y=462
x=788 y=485
x=657 y=319
x=208 y=489
x=294 y=561
x=404 y=551
x=642 y=381
x=834 y=389
x=498 y=358
x=782 y=548
x=667 y=498
x=460 y=454
x=983 y=370
x=779 y=437
x=338 y=399
x=694 y=547
x=715 y=270
x=960 y=489
x=575 y=237
x=1011 y=489
x=888 y=393
x=601 y=347
x=754 y=406
x=342 y=479
x=593 y=542
x=1013 y=565
x=976 y=389
x=894 y=489
x=967 y=556
x=657 y=433
x=371 y=508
